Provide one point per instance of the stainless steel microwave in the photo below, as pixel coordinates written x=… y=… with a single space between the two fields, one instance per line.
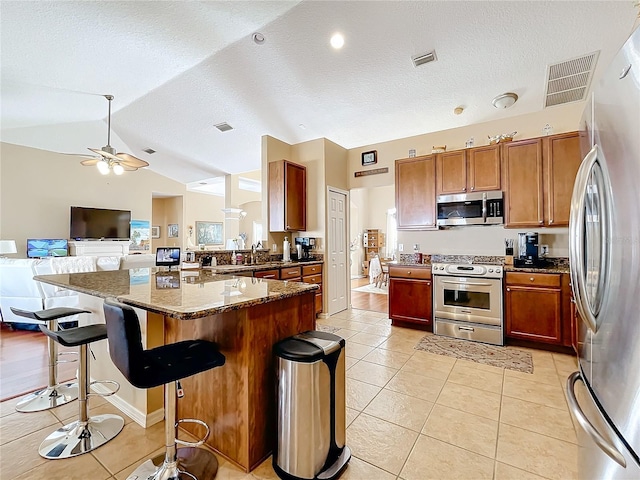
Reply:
x=478 y=208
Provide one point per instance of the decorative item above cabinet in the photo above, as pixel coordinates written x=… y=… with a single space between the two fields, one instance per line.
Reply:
x=287 y=197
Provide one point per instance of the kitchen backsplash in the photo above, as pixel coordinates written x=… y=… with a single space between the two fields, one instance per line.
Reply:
x=414 y=259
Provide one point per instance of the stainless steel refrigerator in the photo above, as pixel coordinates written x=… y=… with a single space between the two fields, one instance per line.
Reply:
x=604 y=235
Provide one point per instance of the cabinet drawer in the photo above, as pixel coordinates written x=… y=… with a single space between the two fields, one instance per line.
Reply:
x=410 y=271
x=312 y=279
x=290 y=273
x=537 y=279
x=311 y=269
x=272 y=274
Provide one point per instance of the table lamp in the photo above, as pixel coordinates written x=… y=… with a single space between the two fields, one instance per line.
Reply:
x=7 y=246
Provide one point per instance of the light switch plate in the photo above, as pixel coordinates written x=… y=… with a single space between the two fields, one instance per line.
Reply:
x=544 y=249
x=400 y=247
x=416 y=247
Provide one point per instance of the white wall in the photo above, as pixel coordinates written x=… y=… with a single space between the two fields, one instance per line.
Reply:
x=37 y=189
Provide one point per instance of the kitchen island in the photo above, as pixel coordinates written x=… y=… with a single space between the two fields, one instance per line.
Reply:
x=244 y=316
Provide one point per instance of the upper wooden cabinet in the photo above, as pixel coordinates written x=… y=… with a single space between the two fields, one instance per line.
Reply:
x=473 y=170
x=538 y=176
x=287 y=197
x=416 y=193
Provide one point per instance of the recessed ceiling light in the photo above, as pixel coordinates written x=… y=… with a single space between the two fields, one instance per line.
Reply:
x=337 y=41
x=505 y=100
x=258 y=38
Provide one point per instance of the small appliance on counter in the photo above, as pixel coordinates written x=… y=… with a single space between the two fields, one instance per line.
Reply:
x=528 y=251
x=306 y=244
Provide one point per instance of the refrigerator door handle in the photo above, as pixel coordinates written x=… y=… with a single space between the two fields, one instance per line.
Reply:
x=576 y=237
x=586 y=425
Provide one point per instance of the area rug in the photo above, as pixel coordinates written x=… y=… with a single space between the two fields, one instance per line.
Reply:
x=327 y=328
x=503 y=357
x=371 y=288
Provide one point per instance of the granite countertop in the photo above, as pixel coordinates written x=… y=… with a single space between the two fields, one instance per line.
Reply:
x=259 y=267
x=547 y=269
x=184 y=295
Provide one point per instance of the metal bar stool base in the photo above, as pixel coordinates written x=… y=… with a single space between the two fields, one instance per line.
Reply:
x=49 y=397
x=77 y=438
x=193 y=463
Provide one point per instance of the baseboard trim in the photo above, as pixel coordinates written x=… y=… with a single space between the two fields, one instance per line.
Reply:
x=142 y=419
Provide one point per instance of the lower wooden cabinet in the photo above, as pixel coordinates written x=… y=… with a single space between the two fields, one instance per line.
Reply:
x=410 y=296
x=533 y=307
x=272 y=274
x=313 y=274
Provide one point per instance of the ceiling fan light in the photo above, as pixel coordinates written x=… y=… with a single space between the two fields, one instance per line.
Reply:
x=118 y=169
x=505 y=100
x=103 y=167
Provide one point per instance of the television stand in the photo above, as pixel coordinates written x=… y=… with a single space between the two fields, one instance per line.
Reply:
x=104 y=248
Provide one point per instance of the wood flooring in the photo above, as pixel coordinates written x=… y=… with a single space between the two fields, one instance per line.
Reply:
x=24 y=362
x=373 y=302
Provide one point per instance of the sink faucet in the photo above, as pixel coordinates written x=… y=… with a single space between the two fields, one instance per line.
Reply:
x=253 y=253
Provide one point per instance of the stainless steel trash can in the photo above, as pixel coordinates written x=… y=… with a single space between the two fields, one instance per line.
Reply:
x=311 y=403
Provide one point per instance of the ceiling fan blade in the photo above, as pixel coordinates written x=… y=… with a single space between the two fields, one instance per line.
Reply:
x=128 y=168
x=131 y=161
x=91 y=161
x=105 y=154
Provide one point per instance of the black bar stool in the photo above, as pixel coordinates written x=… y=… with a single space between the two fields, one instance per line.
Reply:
x=86 y=433
x=54 y=394
x=164 y=365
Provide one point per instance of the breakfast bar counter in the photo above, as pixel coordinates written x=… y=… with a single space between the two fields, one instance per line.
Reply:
x=244 y=316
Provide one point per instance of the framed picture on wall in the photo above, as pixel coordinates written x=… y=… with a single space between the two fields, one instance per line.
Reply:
x=209 y=233
x=172 y=230
x=369 y=158
x=155 y=232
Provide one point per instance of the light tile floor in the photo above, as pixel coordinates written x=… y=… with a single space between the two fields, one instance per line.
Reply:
x=411 y=415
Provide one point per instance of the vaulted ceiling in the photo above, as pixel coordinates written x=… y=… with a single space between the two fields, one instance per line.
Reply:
x=178 y=68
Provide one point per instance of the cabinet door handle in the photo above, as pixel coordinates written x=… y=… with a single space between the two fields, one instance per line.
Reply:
x=550 y=221
x=541 y=222
x=473 y=188
x=508 y=289
x=464 y=189
x=531 y=279
x=409 y=272
x=268 y=276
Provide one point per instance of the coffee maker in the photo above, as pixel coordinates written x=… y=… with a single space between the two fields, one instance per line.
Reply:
x=528 y=253
x=304 y=245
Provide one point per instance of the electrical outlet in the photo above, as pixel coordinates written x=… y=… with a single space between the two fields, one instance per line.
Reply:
x=416 y=247
x=400 y=247
x=544 y=249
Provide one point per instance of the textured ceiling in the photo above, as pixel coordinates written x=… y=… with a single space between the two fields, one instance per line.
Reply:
x=178 y=68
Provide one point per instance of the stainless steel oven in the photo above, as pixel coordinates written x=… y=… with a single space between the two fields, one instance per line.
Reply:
x=467 y=302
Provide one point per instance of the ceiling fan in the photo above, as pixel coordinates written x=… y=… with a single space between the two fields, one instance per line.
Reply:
x=108 y=158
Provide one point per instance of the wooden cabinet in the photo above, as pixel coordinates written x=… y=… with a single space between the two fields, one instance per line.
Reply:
x=473 y=170
x=373 y=241
x=291 y=273
x=287 y=197
x=272 y=274
x=533 y=307
x=538 y=176
x=313 y=274
x=416 y=193
x=410 y=296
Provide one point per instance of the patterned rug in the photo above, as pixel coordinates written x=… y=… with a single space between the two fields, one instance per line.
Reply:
x=503 y=357
x=327 y=328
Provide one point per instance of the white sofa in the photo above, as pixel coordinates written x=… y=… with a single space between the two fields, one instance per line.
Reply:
x=19 y=289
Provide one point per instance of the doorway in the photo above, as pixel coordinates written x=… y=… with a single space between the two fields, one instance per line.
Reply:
x=372 y=211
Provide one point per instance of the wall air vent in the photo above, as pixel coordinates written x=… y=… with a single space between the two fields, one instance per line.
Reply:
x=150 y=151
x=569 y=81
x=223 y=127
x=424 y=58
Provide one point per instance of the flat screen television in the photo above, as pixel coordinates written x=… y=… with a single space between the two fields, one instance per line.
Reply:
x=47 y=247
x=100 y=224
x=168 y=256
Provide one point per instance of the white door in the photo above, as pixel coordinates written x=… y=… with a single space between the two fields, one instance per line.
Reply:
x=338 y=252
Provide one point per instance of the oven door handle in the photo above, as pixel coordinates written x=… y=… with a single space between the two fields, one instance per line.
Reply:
x=484 y=207
x=467 y=283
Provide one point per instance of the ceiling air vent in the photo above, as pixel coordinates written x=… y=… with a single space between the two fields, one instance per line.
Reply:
x=424 y=58
x=150 y=151
x=223 y=127
x=569 y=81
